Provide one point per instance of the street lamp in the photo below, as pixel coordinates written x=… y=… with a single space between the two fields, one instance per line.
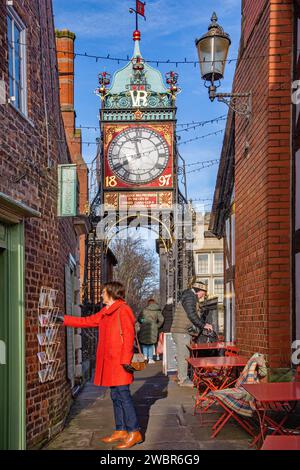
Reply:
x=213 y=50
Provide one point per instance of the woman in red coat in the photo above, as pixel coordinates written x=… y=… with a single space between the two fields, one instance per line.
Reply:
x=116 y=323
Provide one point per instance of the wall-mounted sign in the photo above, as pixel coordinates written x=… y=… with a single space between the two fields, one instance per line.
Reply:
x=67 y=191
x=138 y=200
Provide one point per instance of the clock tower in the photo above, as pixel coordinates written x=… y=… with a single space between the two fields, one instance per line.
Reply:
x=139 y=158
x=138 y=118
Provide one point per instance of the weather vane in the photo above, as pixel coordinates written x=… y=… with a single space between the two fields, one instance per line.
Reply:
x=139 y=10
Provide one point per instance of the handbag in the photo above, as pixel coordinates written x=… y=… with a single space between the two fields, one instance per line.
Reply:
x=138 y=361
x=207 y=336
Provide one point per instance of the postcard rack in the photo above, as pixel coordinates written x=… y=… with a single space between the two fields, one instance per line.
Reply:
x=48 y=345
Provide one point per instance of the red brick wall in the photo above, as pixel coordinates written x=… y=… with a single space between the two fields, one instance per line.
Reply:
x=251 y=10
x=48 y=240
x=263 y=186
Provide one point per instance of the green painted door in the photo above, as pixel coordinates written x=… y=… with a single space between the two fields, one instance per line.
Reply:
x=12 y=338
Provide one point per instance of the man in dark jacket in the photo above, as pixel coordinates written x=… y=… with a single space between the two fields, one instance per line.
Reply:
x=185 y=318
x=167 y=313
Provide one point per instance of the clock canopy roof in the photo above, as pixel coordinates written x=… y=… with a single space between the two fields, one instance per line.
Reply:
x=138 y=75
x=124 y=77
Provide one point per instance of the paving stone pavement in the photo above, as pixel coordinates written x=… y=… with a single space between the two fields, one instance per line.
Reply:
x=165 y=413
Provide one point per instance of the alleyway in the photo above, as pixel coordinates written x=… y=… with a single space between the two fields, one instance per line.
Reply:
x=165 y=412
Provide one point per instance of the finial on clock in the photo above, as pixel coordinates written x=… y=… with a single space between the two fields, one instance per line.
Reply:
x=136 y=35
x=139 y=10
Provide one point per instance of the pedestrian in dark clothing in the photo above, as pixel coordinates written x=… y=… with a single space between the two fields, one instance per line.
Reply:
x=186 y=317
x=167 y=313
x=151 y=320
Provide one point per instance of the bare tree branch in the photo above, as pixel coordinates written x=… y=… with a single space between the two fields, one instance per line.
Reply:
x=137 y=270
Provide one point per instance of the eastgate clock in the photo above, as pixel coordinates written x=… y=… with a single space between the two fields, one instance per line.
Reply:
x=138 y=155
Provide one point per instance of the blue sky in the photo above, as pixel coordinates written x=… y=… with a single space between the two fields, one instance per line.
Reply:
x=105 y=27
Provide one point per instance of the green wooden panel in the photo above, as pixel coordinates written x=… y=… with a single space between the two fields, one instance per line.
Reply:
x=3 y=339
x=2 y=236
x=12 y=328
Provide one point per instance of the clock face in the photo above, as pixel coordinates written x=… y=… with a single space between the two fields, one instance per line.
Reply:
x=138 y=155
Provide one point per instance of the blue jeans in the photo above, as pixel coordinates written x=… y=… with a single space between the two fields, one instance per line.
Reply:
x=148 y=350
x=124 y=411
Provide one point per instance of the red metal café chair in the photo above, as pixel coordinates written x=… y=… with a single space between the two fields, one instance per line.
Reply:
x=204 y=381
x=207 y=381
x=236 y=402
x=267 y=423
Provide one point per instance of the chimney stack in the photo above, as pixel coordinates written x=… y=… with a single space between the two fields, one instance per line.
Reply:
x=65 y=57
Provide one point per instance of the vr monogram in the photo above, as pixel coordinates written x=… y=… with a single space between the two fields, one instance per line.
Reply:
x=139 y=98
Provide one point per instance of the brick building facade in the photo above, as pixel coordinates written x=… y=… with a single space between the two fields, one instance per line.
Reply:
x=37 y=248
x=208 y=261
x=253 y=201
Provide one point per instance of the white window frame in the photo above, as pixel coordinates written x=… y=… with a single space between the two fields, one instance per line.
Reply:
x=208 y=264
x=232 y=239
x=214 y=263
x=221 y=298
x=229 y=312
x=17 y=22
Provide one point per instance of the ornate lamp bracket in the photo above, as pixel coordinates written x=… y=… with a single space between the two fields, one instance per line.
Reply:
x=240 y=103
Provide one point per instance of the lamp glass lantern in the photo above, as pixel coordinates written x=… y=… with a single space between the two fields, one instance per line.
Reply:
x=213 y=50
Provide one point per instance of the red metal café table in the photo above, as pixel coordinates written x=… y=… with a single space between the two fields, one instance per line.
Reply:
x=278 y=397
x=213 y=373
x=219 y=345
x=281 y=443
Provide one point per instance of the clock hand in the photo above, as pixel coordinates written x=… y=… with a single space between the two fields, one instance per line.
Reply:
x=137 y=155
x=137 y=148
x=120 y=165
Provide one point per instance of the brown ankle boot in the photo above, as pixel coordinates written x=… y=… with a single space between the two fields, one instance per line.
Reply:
x=132 y=439
x=116 y=436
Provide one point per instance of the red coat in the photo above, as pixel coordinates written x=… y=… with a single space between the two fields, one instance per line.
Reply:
x=112 y=350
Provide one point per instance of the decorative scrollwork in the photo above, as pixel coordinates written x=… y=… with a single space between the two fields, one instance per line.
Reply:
x=242 y=107
x=153 y=101
x=110 y=102
x=240 y=103
x=123 y=102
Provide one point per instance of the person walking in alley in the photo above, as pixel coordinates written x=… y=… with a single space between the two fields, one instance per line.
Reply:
x=151 y=320
x=186 y=316
x=116 y=323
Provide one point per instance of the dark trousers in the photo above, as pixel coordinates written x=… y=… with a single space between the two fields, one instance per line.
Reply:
x=124 y=411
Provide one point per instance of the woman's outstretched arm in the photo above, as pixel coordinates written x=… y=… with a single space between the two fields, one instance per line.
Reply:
x=83 y=322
